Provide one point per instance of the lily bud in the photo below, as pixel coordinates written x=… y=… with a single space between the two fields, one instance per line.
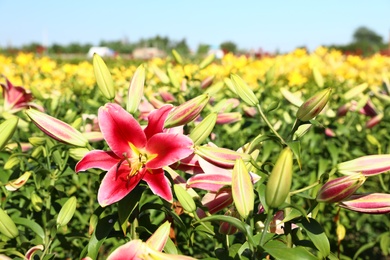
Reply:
x=221 y=157
x=207 y=82
x=103 y=77
x=177 y=57
x=7 y=226
x=36 y=202
x=280 y=179
x=226 y=228
x=374 y=203
x=374 y=121
x=37 y=141
x=136 y=90
x=187 y=111
x=166 y=96
x=160 y=74
x=207 y=61
x=67 y=211
x=203 y=129
x=7 y=129
x=57 y=129
x=368 y=165
x=314 y=105
x=242 y=189
x=228 y=118
x=19 y=182
x=369 y=109
x=341 y=188
x=215 y=202
x=185 y=199
x=243 y=91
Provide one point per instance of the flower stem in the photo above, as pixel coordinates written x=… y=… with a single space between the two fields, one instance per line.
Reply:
x=305 y=188
x=266 y=226
x=269 y=125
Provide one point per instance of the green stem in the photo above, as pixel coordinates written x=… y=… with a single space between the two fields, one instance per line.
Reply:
x=270 y=215
x=305 y=188
x=203 y=224
x=133 y=227
x=269 y=125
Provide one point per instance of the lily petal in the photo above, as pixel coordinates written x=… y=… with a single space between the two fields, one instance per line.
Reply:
x=116 y=184
x=97 y=159
x=210 y=182
x=169 y=148
x=159 y=238
x=130 y=250
x=120 y=128
x=156 y=120
x=159 y=184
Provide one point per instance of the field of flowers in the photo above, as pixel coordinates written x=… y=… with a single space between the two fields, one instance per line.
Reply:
x=283 y=157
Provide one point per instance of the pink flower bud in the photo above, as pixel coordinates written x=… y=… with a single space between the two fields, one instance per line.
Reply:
x=368 y=165
x=314 y=105
x=369 y=109
x=374 y=203
x=374 y=121
x=329 y=132
x=226 y=228
x=222 y=157
x=166 y=96
x=228 y=118
x=340 y=188
x=187 y=111
x=207 y=82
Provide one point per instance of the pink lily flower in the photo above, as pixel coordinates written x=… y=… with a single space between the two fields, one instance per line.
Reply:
x=374 y=203
x=151 y=249
x=136 y=153
x=368 y=165
x=16 y=98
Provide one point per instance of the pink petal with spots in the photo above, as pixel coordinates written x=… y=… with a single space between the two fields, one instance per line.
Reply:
x=120 y=128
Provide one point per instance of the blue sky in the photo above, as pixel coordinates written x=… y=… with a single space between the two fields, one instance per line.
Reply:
x=270 y=25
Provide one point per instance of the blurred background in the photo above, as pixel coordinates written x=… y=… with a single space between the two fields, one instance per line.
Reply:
x=147 y=29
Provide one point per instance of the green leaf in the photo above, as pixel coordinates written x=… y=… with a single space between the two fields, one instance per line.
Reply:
x=102 y=230
x=295 y=146
x=280 y=251
x=170 y=247
x=36 y=228
x=126 y=206
x=316 y=234
x=384 y=243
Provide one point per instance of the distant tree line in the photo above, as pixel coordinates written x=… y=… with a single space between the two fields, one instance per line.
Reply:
x=365 y=42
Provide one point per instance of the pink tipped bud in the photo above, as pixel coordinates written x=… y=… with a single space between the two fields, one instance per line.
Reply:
x=57 y=129
x=166 y=96
x=228 y=118
x=314 y=105
x=250 y=111
x=343 y=110
x=226 y=228
x=374 y=203
x=222 y=157
x=341 y=188
x=187 y=111
x=215 y=202
x=374 y=121
x=207 y=82
x=369 y=109
x=329 y=132
x=368 y=165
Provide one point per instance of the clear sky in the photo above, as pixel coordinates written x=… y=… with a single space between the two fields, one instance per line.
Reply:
x=270 y=25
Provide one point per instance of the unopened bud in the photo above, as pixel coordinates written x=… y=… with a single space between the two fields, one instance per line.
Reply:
x=19 y=182
x=228 y=118
x=243 y=91
x=314 y=105
x=374 y=121
x=280 y=179
x=57 y=129
x=207 y=61
x=177 y=57
x=242 y=189
x=226 y=228
x=103 y=77
x=136 y=90
x=203 y=129
x=374 y=203
x=340 y=188
x=185 y=199
x=36 y=202
x=368 y=165
x=7 y=226
x=187 y=111
x=67 y=211
x=221 y=157
x=7 y=129
x=207 y=82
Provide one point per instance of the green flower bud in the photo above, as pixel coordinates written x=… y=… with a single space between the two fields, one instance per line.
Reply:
x=243 y=91
x=19 y=182
x=7 y=129
x=67 y=211
x=242 y=189
x=280 y=179
x=36 y=202
x=203 y=129
x=7 y=226
x=11 y=162
x=314 y=105
x=136 y=90
x=207 y=61
x=177 y=57
x=37 y=141
x=185 y=199
x=103 y=77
